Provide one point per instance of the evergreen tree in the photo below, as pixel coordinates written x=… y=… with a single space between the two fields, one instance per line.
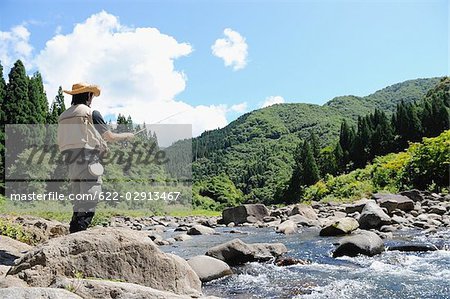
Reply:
x=338 y=159
x=121 y=123
x=382 y=136
x=426 y=119
x=294 y=189
x=314 y=145
x=310 y=171
x=407 y=125
x=439 y=116
x=346 y=140
x=17 y=106
x=2 y=129
x=2 y=97
x=57 y=107
x=129 y=123
x=361 y=145
x=38 y=99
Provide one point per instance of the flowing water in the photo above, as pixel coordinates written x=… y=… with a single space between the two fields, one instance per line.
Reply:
x=391 y=274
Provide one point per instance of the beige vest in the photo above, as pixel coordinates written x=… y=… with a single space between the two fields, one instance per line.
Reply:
x=76 y=130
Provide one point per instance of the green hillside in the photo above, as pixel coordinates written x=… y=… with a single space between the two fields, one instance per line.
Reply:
x=423 y=165
x=255 y=150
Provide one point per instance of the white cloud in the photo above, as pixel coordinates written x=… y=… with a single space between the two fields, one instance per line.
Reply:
x=134 y=67
x=272 y=100
x=14 y=44
x=239 y=108
x=232 y=49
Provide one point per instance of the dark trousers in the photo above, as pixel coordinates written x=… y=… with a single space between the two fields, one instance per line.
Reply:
x=87 y=187
x=80 y=221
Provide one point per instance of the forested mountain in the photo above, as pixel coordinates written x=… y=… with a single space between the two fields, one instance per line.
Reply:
x=256 y=150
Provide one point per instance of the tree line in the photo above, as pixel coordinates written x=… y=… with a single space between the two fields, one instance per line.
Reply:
x=375 y=134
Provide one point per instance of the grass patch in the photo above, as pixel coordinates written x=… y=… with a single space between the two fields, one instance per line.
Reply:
x=15 y=231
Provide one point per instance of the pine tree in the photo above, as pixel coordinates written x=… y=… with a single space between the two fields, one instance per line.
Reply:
x=382 y=136
x=2 y=97
x=407 y=125
x=338 y=158
x=129 y=124
x=346 y=140
x=426 y=119
x=314 y=145
x=2 y=129
x=17 y=106
x=310 y=173
x=440 y=117
x=57 y=107
x=361 y=147
x=38 y=99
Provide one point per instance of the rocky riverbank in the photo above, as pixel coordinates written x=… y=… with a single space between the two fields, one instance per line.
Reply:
x=124 y=260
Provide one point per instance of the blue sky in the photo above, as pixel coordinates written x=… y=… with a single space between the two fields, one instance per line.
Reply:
x=298 y=51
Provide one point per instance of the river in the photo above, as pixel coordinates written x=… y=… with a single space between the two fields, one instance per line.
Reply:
x=391 y=274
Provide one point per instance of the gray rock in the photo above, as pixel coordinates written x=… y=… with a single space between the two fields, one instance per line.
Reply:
x=200 y=230
x=387 y=228
x=414 y=195
x=209 y=268
x=182 y=237
x=107 y=253
x=338 y=215
x=363 y=242
x=101 y=289
x=287 y=227
x=236 y=252
x=33 y=293
x=356 y=206
x=245 y=213
x=305 y=211
x=398 y=219
x=373 y=216
x=340 y=227
x=437 y=209
x=394 y=201
x=413 y=247
x=12 y=281
x=304 y=221
x=269 y=219
x=10 y=250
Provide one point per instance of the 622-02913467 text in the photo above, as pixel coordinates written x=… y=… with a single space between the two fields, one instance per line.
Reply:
x=154 y=195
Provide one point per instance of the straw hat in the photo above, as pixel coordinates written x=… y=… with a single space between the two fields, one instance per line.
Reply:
x=82 y=88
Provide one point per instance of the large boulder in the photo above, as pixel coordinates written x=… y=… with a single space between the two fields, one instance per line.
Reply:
x=236 y=252
x=287 y=227
x=394 y=201
x=107 y=253
x=340 y=227
x=245 y=213
x=363 y=242
x=414 y=195
x=101 y=289
x=32 y=293
x=199 y=229
x=304 y=210
x=373 y=216
x=356 y=206
x=209 y=268
x=10 y=250
x=304 y=221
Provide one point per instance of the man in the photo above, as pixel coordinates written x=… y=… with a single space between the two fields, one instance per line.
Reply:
x=82 y=133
